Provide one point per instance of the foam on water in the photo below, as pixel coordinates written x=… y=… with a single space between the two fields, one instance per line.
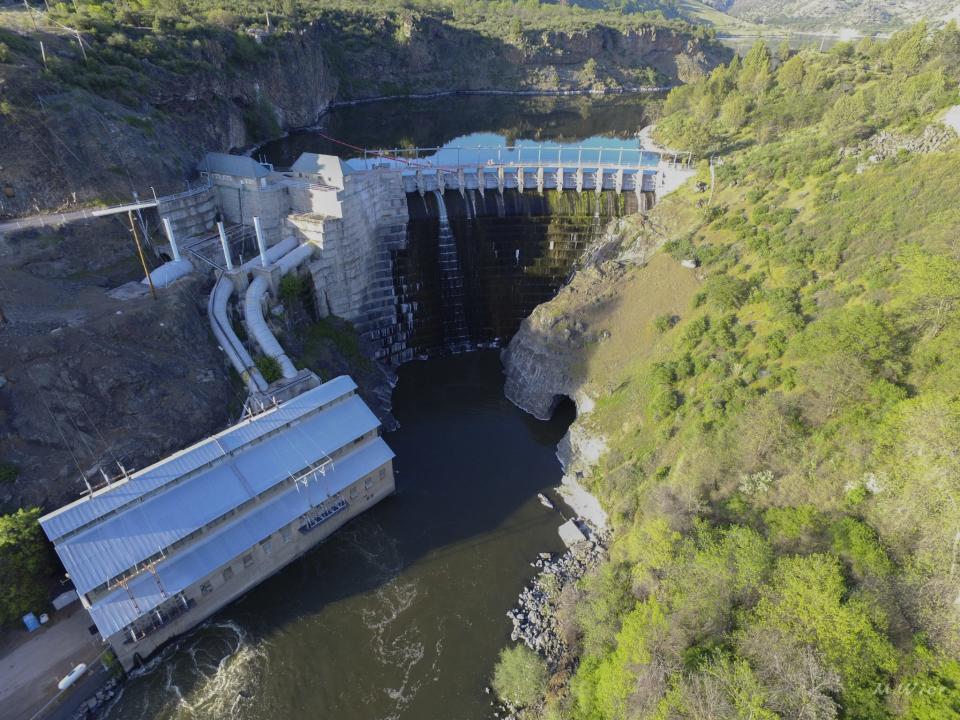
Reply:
x=206 y=674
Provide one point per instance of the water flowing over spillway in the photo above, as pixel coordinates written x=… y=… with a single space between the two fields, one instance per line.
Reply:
x=456 y=336
x=474 y=265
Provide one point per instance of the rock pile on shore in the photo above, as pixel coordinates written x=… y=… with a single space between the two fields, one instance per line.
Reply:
x=534 y=619
x=89 y=708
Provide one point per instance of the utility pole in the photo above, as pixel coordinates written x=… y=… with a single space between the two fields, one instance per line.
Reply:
x=80 y=43
x=30 y=13
x=143 y=260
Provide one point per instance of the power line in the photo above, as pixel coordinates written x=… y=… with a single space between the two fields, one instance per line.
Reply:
x=59 y=431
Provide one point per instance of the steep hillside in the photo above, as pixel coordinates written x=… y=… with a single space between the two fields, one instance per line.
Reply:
x=860 y=15
x=774 y=434
x=753 y=17
x=148 y=92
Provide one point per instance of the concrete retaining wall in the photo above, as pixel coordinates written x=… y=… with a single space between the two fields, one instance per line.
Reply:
x=192 y=214
x=241 y=201
x=353 y=273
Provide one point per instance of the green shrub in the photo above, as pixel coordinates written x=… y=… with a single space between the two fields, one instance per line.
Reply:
x=269 y=368
x=858 y=544
x=261 y=121
x=520 y=676
x=695 y=330
x=24 y=565
x=727 y=292
x=664 y=402
x=292 y=287
x=662 y=323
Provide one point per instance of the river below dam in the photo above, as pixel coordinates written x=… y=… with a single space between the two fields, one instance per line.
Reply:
x=400 y=614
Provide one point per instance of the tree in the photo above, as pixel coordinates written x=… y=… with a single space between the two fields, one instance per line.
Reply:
x=602 y=688
x=929 y=286
x=222 y=18
x=920 y=501
x=783 y=50
x=24 y=565
x=797 y=683
x=734 y=112
x=755 y=76
x=722 y=688
x=520 y=676
x=791 y=73
x=848 y=115
x=807 y=602
x=909 y=47
x=864 y=334
x=291 y=9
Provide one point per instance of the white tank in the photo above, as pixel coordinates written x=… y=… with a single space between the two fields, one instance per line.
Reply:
x=73 y=676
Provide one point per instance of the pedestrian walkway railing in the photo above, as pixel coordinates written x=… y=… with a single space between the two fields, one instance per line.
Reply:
x=530 y=155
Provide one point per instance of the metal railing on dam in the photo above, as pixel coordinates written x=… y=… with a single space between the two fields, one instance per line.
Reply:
x=532 y=155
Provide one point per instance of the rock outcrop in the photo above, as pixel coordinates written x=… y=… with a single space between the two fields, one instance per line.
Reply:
x=92 y=381
x=886 y=144
x=543 y=360
x=599 y=320
x=534 y=619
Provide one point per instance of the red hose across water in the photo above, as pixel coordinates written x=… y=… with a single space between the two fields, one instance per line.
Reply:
x=376 y=153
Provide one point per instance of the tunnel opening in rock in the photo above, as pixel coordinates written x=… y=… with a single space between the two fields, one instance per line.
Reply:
x=563 y=409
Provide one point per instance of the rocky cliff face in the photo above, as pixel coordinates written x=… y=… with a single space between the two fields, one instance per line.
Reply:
x=87 y=380
x=436 y=57
x=602 y=319
x=64 y=143
x=80 y=138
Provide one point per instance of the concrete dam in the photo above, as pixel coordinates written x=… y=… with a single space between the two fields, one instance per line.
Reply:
x=423 y=256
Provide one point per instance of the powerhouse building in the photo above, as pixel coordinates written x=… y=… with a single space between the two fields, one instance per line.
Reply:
x=157 y=552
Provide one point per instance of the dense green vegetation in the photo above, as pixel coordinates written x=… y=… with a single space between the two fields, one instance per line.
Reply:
x=848 y=93
x=24 y=565
x=493 y=17
x=782 y=469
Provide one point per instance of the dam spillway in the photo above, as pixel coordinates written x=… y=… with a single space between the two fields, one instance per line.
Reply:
x=513 y=251
x=456 y=335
